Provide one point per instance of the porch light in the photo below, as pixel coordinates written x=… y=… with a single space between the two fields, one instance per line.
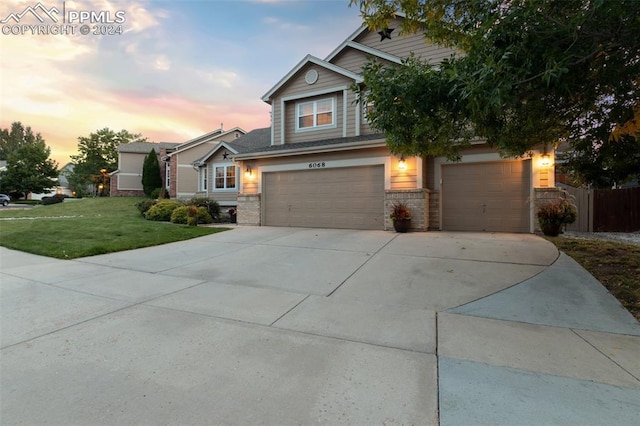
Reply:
x=248 y=173
x=402 y=164
x=545 y=161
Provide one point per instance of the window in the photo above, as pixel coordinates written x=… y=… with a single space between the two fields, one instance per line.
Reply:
x=167 y=176
x=225 y=177
x=203 y=179
x=314 y=114
x=367 y=107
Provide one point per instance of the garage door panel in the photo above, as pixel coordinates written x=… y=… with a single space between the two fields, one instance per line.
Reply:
x=327 y=198
x=486 y=196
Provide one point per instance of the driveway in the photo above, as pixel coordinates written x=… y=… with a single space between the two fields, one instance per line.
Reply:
x=306 y=326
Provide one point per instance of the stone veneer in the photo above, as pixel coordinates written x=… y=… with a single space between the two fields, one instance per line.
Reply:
x=434 y=210
x=248 y=209
x=417 y=200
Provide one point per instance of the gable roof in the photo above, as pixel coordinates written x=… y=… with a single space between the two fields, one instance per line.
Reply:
x=310 y=59
x=365 y=49
x=254 y=140
x=145 y=147
x=205 y=138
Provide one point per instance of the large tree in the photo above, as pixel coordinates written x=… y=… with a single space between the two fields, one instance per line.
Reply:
x=151 y=178
x=529 y=74
x=29 y=168
x=97 y=156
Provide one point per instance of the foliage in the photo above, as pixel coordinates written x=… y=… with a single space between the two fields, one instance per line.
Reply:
x=29 y=168
x=212 y=206
x=155 y=194
x=55 y=199
x=182 y=214
x=531 y=74
x=161 y=211
x=98 y=151
x=399 y=211
x=88 y=227
x=558 y=211
x=151 y=179
x=143 y=206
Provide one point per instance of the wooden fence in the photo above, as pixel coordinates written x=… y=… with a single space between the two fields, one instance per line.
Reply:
x=605 y=210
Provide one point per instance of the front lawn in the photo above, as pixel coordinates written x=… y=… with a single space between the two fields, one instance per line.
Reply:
x=615 y=265
x=87 y=227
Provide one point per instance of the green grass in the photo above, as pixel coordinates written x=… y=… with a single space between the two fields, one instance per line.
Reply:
x=87 y=227
x=615 y=265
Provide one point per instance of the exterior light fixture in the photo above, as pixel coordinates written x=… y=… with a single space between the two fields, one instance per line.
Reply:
x=402 y=164
x=248 y=173
x=545 y=161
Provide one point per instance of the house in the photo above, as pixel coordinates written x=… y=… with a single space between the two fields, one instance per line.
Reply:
x=126 y=180
x=184 y=177
x=61 y=185
x=325 y=167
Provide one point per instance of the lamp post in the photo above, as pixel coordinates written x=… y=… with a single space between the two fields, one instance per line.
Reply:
x=104 y=181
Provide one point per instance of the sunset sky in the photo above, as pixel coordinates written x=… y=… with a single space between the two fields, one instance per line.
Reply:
x=179 y=69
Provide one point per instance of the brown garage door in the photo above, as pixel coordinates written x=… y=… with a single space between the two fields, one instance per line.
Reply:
x=351 y=198
x=486 y=196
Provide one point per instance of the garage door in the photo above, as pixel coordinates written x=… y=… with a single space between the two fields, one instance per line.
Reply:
x=486 y=196
x=351 y=198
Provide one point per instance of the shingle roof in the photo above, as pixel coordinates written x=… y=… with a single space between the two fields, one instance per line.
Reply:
x=145 y=147
x=255 y=139
x=315 y=144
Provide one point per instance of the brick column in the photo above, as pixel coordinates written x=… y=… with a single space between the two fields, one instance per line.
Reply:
x=248 y=209
x=417 y=200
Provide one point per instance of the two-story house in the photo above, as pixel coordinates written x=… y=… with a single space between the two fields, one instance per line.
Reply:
x=325 y=167
x=126 y=180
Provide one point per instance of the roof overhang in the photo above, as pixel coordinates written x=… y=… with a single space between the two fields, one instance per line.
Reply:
x=377 y=143
x=309 y=59
x=203 y=161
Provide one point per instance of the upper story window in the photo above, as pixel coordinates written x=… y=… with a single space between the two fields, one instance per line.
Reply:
x=225 y=176
x=367 y=107
x=315 y=114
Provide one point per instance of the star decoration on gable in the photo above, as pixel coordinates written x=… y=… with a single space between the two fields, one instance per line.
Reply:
x=225 y=155
x=386 y=33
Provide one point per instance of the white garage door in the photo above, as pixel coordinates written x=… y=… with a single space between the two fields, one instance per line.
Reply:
x=486 y=196
x=351 y=198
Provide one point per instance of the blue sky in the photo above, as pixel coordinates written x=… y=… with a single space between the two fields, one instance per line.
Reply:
x=180 y=68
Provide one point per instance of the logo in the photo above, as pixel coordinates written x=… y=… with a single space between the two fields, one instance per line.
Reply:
x=40 y=20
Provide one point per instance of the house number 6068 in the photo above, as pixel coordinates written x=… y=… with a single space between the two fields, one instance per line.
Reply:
x=317 y=165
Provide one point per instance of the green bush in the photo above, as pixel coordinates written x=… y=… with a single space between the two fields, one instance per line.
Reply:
x=162 y=210
x=144 y=206
x=55 y=199
x=155 y=194
x=181 y=215
x=212 y=206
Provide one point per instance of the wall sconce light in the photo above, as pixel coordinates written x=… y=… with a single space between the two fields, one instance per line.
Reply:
x=545 y=161
x=402 y=164
x=248 y=172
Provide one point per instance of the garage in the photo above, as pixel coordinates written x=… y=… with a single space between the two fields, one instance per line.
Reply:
x=349 y=197
x=486 y=196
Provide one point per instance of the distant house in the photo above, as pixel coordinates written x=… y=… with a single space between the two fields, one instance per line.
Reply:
x=127 y=179
x=326 y=167
x=60 y=185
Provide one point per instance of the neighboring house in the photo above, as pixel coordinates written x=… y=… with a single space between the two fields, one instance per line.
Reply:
x=127 y=179
x=61 y=185
x=325 y=167
x=185 y=178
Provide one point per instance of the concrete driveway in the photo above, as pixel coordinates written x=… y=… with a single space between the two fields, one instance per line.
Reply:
x=306 y=326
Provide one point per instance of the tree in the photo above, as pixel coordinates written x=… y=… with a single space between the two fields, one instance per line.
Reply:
x=98 y=151
x=151 y=178
x=29 y=168
x=531 y=74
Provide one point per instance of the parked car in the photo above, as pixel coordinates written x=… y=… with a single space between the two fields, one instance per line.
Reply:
x=4 y=199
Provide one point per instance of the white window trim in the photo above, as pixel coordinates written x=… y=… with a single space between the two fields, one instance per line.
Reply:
x=203 y=179
x=315 y=115
x=214 y=177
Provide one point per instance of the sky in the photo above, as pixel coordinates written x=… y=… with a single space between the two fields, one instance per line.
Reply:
x=177 y=70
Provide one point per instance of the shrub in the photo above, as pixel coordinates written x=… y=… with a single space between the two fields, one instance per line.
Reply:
x=155 y=194
x=144 y=206
x=162 y=210
x=55 y=199
x=556 y=212
x=181 y=215
x=212 y=206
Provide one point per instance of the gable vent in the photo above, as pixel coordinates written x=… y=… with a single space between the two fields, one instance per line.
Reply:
x=311 y=76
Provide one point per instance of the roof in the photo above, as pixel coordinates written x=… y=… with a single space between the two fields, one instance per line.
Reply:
x=145 y=147
x=363 y=141
x=205 y=138
x=255 y=139
x=306 y=60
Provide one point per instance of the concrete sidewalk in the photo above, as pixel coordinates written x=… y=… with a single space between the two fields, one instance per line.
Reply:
x=305 y=326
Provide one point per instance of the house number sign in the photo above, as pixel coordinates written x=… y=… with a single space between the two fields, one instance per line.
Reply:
x=317 y=165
